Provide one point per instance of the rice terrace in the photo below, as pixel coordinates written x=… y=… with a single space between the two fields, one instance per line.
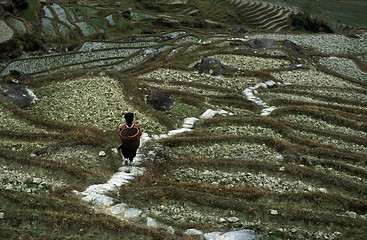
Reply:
x=254 y=119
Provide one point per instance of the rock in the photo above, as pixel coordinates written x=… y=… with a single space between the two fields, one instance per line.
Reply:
x=1 y=215
x=351 y=214
x=222 y=220
x=151 y=222
x=114 y=150
x=210 y=66
x=296 y=49
x=118 y=208
x=263 y=43
x=102 y=154
x=273 y=212
x=160 y=100
x=233 y=219
x=37 y=180
x=193 y=231
x=133 y=213
x=98 y=199
x=245 y=234
x=19 y=94
x=211 y=113
x=170 y=230
x=239 y=30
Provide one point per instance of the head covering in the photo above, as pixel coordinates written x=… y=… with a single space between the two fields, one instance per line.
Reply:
x=129 y=118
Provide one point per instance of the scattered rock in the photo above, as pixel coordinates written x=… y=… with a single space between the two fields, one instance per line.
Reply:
x=160 y=100
x=19 y=94
x=102 y=154
x=262 y=43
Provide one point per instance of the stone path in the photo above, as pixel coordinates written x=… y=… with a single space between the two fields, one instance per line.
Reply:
x=99 y=195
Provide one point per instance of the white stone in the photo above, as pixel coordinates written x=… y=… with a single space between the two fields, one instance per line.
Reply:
x=102 y=153
x=222 y=220
x=133 y=213
x=1 y=215
x=101 y=189
x=177 y=131
x=273 y=212
x=245 y=234
x=351 y=214
x=193 y=231
x=170 y=230
x=233 y=219
x=151 y=222
x=98 y=199
x=114 y=150
x=118 y=208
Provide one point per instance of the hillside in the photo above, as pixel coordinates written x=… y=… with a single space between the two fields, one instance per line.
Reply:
x=253 y=129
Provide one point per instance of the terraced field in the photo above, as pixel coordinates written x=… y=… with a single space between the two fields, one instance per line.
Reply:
x=271 y=142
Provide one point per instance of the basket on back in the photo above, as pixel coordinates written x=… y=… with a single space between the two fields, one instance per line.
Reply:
x=130 y=138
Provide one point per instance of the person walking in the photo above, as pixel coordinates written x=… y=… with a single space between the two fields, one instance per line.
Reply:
x=130 y=138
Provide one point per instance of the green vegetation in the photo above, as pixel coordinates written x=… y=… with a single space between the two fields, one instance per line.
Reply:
x=335 y=11
x=29 y=13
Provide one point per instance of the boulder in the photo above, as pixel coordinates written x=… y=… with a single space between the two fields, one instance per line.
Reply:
x=210 y=66
x=160 y=100
x=296 y=49
x=262 y=43
x=19 y=94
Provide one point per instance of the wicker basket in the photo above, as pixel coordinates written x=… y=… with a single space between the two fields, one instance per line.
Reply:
x=130 y=138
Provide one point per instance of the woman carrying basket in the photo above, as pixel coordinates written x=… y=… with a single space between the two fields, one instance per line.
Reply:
x=130 y=137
